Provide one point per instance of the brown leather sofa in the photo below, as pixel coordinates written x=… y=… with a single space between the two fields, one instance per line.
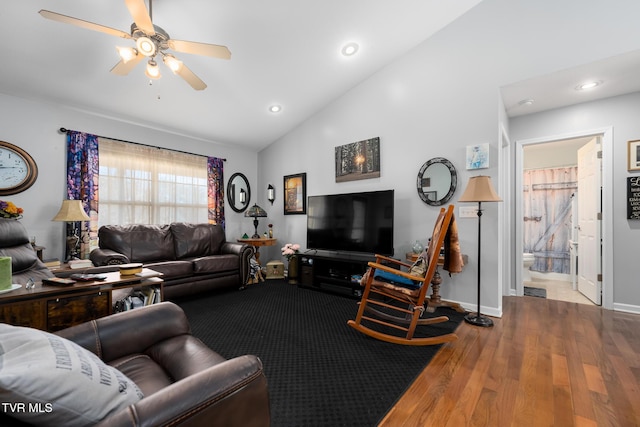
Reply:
x=184 y=382
x=192 y=257
x=14 y=243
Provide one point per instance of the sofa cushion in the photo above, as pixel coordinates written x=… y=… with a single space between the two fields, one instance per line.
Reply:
x=139 y=243
x=194 y=240
x=50 y=380
x=144 y=371
x=214 y=264
x=172 y=269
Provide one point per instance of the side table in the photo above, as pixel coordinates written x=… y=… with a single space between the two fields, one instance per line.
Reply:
x=39 y=250
x=257 y=243
x=435 y=300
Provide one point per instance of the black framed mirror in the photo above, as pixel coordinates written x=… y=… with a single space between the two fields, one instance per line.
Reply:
x=238 y=192
x=437 y=181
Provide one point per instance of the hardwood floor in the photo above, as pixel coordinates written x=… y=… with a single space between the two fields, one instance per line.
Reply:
x=544 y=363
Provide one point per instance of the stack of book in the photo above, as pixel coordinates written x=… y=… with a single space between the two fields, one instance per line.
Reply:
x=53 y=263
x=138 y=298
x=80 y=263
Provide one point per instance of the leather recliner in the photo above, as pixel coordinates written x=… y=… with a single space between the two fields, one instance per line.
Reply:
x=184 y=382
x=14 y=243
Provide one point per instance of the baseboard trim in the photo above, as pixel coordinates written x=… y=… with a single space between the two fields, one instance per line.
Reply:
x=626 y=308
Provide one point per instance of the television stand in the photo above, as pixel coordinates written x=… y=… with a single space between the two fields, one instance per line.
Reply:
x=333 y=272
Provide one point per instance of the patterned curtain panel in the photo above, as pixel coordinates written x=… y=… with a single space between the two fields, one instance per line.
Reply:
x=82 y=184
x=215 y=190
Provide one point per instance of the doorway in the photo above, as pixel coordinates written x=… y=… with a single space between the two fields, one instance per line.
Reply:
x=526 y=152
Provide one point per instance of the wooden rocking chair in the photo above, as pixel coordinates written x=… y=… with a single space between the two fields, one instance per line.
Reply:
x=381 y=300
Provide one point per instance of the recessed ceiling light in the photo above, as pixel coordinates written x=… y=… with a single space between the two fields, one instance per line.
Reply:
x=525 y=102
x=350 y=49
x=275 y=108
x=588 y=85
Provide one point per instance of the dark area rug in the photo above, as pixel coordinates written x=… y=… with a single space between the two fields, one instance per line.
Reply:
x=320 y=371
x=530 y=291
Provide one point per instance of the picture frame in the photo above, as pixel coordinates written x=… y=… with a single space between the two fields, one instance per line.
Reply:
x=477 y=156
x=295 y=194
x=431 y=195
x=633 y=155
x=358 y=160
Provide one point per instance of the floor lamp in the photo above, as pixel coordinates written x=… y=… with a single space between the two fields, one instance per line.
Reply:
x=479 y=189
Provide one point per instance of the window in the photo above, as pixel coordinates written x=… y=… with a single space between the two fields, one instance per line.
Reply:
x=148 y=185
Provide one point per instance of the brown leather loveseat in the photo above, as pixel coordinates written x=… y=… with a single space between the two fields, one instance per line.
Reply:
x=192 y=257
x=183 y=382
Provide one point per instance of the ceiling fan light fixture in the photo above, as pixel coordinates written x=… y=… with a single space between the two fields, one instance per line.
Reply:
x=172 y=62
x=127 y=53
x=152 y=71
x=146 y=46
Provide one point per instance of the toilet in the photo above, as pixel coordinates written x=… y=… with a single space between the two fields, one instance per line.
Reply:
x=527 y=262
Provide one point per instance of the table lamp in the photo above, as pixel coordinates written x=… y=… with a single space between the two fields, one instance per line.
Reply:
x=256 y=212
x=479 y=189
x=72 y=211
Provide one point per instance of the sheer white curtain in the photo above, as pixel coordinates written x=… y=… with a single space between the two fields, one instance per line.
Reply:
x=148 y=185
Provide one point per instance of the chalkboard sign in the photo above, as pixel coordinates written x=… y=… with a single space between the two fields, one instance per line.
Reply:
x=633 y=197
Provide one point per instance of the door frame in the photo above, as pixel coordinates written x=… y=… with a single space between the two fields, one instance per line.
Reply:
x=607 y=206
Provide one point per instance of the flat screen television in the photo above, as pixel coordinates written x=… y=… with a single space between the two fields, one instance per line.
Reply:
x=354 y=222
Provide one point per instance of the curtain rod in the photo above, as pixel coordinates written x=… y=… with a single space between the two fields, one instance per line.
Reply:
x=65 y=130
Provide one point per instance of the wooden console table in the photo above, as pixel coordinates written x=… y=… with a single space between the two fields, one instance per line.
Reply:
x=52 y=308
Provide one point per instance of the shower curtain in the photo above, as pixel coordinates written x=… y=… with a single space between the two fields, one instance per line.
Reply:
x=547 y=200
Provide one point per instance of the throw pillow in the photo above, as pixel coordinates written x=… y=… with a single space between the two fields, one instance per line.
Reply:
x=48 y=380
x=395 y=279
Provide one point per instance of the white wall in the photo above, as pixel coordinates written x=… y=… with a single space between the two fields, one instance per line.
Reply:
x=436 y=100
x=621 y=113
x=34 y=126
x=432 y=102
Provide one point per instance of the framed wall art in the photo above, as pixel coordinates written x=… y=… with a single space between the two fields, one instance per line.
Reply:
x=477 y=156
x=633 y=155
x=358 y=160
x=295 y=194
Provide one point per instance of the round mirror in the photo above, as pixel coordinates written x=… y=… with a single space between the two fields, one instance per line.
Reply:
x=238 y=192
x=437 y=181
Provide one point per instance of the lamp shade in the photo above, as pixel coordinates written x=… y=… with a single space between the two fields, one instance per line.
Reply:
x=479 y=189
x=70 y=211
x=255 y=211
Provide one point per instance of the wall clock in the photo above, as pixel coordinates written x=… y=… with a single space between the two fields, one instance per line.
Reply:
x=18 y=170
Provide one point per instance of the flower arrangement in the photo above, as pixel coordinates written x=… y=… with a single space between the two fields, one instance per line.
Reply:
x=9 y=210
x=290 y=249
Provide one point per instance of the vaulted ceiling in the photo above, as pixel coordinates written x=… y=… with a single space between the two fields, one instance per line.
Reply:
x=284 y=52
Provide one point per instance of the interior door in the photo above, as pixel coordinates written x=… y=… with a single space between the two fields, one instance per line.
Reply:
x=589 y=241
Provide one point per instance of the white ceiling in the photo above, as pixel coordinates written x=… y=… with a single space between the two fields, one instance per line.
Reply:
x=284 y=52
x=618 y=76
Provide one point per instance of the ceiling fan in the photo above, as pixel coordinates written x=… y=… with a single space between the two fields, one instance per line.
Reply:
x=151 y=41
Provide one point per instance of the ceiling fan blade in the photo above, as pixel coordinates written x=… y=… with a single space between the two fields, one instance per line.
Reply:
x=141 y=17
x=123 y=68
x=197 y=48
x=84 y=24
x=191 y=78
